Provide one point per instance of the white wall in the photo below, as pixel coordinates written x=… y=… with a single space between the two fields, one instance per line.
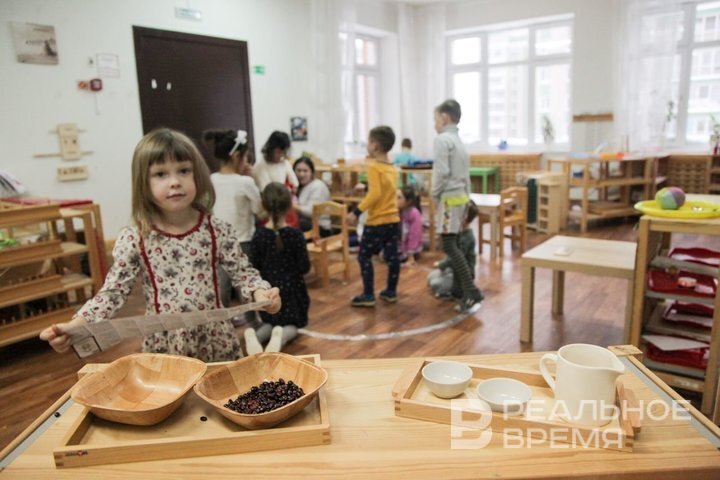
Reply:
x=35 y=98
x=592 y=63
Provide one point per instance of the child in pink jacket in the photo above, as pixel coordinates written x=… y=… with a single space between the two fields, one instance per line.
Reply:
x=411 y=242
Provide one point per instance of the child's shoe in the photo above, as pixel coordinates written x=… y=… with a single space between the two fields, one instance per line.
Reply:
x=469 y=305
x=275 y=343
x=363 y=301
x=388 y=296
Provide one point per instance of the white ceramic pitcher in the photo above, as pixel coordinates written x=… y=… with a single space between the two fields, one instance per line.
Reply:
x=585 y=383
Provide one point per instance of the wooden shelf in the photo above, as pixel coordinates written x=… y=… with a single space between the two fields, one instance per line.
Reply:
x=43 y=287
x=33 y=274
x=30 y=327
x=15 y=256
x=655 y=238
x=635 y=173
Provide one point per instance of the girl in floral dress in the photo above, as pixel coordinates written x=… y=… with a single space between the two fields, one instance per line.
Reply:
x=175 y=247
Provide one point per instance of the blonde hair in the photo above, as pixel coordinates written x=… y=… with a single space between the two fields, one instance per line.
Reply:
x=160 y=146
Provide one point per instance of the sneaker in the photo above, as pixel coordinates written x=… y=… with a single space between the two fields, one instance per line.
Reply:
x=390 y=297
x=363 y=301
x=469 y=305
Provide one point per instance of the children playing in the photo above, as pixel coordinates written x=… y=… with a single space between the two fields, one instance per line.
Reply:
x=442 y=281
x=382 y=229
x=450 y=191
x=175 y=247
x=411 y=239
x=279 y=252
x=237 y=196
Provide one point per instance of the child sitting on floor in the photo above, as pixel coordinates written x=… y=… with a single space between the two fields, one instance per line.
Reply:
x=442 y=280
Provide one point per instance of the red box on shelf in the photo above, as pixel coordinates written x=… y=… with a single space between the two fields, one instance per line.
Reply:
x=699 y=255
x=664 y=282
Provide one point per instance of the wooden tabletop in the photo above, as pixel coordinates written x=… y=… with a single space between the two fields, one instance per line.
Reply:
x=368 y=441
x=586 y=255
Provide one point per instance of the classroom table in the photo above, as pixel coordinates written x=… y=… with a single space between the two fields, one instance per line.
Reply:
x=489 y=204
x=610 y=258
x=368 y=441
x=483 y=173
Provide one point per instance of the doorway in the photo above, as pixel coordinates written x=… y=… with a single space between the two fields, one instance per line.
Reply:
x=191 y=83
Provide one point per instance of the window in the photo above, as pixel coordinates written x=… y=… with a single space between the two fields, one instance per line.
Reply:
x=696 y=75
x=362 y=86
x=511 y=81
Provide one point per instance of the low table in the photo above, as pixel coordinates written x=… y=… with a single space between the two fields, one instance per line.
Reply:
x=608 y=258
x=368 y=441
x=483 y=173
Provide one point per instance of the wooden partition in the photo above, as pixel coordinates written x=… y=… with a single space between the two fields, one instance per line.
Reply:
x=510 y=164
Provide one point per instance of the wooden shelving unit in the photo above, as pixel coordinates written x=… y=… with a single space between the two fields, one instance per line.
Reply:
x=41 y=281
x=627 y=175
x=654 y=243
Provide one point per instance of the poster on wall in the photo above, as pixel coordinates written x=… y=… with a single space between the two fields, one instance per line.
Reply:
x=298 y=128
x=35 y=43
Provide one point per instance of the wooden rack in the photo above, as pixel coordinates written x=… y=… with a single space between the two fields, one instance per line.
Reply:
x=41 y=282
x=654 y=241
x=634 y=173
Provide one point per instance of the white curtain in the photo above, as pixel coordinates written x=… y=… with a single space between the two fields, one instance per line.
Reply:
x=646 y=46
x=421 y=40
x=333 y=85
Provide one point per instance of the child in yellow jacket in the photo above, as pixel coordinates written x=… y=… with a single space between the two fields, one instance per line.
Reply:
x=382 y=229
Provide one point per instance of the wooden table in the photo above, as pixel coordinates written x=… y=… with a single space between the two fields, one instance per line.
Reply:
x=368 y=441
x=489 y=204
x=608 y=258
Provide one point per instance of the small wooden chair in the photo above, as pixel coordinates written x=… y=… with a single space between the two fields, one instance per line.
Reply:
x=331 y=254
x=513 y=214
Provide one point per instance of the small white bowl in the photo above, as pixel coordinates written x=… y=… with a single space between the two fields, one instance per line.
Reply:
x=447 y=379
x=505 y=395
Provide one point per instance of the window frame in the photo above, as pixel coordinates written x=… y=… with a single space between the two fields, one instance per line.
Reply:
x=685 y=47
x=532 y=62
x=373 y=71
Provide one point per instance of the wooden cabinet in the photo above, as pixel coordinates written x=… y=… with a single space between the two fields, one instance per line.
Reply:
x=655 y=239
x=629 y=180
x=42 y=281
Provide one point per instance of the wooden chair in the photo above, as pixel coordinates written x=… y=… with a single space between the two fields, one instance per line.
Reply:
x=329 y=255
x=513 y=214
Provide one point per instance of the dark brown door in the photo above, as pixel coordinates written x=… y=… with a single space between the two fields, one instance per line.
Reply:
x=192 y=83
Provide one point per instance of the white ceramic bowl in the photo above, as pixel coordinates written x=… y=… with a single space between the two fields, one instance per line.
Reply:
x=447 y=379
x=505 y=395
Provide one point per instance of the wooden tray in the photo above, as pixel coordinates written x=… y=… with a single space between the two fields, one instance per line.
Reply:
x=414 y=400
x=93 y=441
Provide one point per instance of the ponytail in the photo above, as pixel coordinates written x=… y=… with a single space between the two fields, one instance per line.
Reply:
x=277 y=202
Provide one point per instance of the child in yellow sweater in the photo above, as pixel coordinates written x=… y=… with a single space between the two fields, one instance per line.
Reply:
x=382 y=229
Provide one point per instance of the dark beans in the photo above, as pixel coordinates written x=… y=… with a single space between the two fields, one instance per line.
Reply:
x=266 y=397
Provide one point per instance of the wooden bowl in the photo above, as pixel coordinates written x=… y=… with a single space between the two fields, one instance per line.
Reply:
x=236 y=378
x=139 y=389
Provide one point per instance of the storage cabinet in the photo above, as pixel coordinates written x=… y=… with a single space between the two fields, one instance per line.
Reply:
x=632 y=177
x=655 y=239
x=552 y=205
x=42 y=282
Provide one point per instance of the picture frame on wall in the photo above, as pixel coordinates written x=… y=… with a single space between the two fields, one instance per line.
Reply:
x=35 y=43
x=298 y=128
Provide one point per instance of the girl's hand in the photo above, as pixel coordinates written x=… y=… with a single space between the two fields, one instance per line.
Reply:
x=273 y=295
x=56 y=336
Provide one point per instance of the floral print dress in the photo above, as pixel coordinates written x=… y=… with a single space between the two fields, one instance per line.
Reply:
x=179 y=274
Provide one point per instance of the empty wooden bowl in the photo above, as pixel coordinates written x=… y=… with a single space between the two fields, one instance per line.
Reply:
x=139 y=389
x=236 y=378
